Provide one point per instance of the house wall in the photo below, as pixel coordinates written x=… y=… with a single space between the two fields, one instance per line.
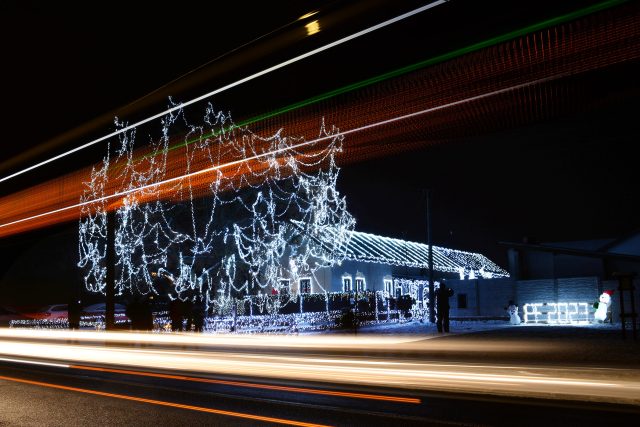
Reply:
x=536 y=265
x=323 y=283
x=573 y=266
x=531 y=264
x=485 y=297
x=615 y=299
x=489 y=297
x=373 y=274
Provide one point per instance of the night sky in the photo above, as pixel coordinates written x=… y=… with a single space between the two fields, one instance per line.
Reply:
x=568 y=178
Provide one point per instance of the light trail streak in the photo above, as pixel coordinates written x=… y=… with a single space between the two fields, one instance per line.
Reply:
x=553 y=52
x=164 y=403
x=33 y=362
x=252 y=385
x=231 y=85
x=440 y=58
x=284 y=149
x=425 y=63
x=216 y=355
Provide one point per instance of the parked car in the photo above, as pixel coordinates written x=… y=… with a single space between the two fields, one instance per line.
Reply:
x=100 y=309
x=57 y=311
x=96 y=313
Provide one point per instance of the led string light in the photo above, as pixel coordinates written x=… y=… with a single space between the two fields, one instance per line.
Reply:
x=262 y=322
x=386 y=250
x=274 y=202
x=557 y=313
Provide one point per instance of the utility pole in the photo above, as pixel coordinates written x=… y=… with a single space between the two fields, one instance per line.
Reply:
x=355 y=314
x=110 y=260
x=432 y=313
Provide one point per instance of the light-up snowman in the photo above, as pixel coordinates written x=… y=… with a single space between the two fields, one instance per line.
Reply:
x=514 y=318
x=602 y=305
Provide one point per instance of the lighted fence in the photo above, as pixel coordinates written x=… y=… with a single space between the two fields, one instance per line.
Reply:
x=563 y=313
x=243 y=324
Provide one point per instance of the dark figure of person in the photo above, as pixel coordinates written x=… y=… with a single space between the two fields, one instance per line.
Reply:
x=133 y=313
x=176 y=315
x=442 y=307
x=198 y=315
x=147 y=315
x=74 y=309
x=188 y=312
x=141 y=314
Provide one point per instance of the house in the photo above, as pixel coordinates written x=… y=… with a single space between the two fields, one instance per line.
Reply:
x=398 y=267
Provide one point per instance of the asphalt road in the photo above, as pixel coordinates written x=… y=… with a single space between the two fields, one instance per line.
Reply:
x=34 y=394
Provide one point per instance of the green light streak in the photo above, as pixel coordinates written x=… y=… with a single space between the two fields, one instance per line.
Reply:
x=409 y=68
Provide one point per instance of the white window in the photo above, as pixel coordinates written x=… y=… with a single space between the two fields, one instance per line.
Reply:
x=305 y=285
x=285 y=286
x=361 y=284
x=397 y=288
x=346 y=283
x=388 y=285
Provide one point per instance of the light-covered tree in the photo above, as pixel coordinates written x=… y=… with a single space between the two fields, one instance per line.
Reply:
x=219 y=212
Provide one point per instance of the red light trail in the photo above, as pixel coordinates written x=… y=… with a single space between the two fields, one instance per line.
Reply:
x=516 y=82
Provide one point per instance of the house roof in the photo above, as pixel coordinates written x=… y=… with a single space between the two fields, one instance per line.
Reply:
x=386 y=250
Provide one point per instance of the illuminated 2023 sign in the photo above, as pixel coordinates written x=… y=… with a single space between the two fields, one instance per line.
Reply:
x=556 y=313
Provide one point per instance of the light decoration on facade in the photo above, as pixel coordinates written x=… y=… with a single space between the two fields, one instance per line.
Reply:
x=368 y=247
x=562 y=313
x=418 y=289
x=410 y=286
x=224 y=241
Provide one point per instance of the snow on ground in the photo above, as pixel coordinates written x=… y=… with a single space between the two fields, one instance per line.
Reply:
x=428 y=329
x=589 y=344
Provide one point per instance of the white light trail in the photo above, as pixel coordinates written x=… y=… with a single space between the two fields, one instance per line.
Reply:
x=232 y=85
x=222 y=355
x=291 y=147
x=33 y=362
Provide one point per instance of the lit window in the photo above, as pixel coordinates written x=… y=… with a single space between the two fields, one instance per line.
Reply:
x=361 y=284
x=285 y=286
x=346 y=283
x=398 y=289
x=388 y=285
x=305 y=286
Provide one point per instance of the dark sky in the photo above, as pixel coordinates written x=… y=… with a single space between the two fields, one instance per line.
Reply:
x=571 y=177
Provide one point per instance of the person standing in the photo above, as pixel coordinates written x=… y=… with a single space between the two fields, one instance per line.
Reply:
x=73 y=314
x=198 y=314
x=442 y=307
x=176 y=314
